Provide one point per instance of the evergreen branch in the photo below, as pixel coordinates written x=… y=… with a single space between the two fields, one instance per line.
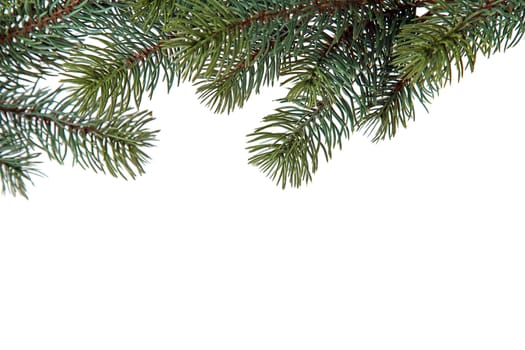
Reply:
x=393 y=105
x=39 y=22
x=383 y=100
x=216 y=35
x=108 y=76
x=38 y=35
x=228 y=88
x=324 y=81
x=349 y=65
x=114 y=144
x=317 y=76
x=448 y=38
x=248 y=46
x=224 y=91
x=16 y=166
x=288 y=146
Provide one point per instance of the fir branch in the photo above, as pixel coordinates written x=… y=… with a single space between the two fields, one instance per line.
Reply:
x=349 y=65
x=344 y=80
x=312 y=75
x=287 y=147
x=392 y=106
x=115 y=144
x=108 y=76
x=387 y=96
x=38 y=36
x=214 y=34
x=233 y=55
x=224 y=91
x=321 y=113
x=40 y=22
x=450 y=35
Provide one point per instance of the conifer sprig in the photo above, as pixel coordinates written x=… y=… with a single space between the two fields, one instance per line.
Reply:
x=233 y=48
x=36 y=36
x=445 y=42
x=114 y=144
x=349 y=65
x=40 y=39
x=287 y=146
x=132 y=64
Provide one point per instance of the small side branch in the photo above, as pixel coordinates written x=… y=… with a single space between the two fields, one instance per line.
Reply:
x=40 y=22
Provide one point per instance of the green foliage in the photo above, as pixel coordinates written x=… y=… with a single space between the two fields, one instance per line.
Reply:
x=334 y=55
x=448 y=38
x=132 y=64
x=349 y=66
x=36 y=36
x=287 y=147
x=112 y=144
x=41 y=39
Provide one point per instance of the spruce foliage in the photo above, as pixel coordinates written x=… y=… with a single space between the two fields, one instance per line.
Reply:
x=349 y=66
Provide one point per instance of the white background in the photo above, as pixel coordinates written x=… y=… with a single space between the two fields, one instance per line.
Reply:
x=414 y=243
